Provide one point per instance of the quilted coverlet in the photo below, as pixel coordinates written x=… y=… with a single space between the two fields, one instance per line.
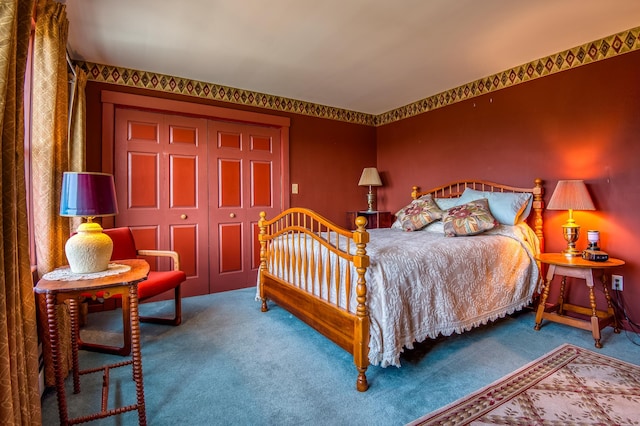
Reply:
x=423 y=284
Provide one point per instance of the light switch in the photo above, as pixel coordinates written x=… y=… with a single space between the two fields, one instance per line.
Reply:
x=294 y=188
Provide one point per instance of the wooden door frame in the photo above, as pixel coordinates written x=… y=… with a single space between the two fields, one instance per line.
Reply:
x=111 y=100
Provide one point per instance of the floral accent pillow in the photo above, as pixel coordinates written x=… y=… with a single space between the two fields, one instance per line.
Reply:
x=419 y=213
x=469 y=219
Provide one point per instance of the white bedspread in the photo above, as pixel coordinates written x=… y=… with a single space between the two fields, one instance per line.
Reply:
x=423 y=284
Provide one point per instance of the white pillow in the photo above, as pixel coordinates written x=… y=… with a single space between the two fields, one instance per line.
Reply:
x=509 y=208
x=435 y=227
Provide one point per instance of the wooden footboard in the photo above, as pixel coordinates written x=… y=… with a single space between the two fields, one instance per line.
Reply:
x=331 y=295
x=296 y=273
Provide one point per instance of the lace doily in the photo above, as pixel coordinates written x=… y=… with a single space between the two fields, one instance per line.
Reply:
x=65 y=274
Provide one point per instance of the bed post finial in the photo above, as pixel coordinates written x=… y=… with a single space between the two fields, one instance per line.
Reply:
x=414 y=192
x=538 y=207
x=361 y=345
x=262 y=225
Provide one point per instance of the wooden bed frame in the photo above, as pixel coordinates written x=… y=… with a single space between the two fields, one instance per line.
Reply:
x=299 y=261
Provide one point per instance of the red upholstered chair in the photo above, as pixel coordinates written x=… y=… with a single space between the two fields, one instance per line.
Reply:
x=156 y=283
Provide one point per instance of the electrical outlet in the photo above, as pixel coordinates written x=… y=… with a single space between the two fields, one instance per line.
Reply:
x=616 y=282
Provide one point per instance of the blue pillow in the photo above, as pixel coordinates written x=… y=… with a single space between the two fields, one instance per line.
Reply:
x=447 y=203
x=509 y=208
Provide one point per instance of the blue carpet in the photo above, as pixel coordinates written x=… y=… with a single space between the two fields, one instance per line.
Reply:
x=230 y=364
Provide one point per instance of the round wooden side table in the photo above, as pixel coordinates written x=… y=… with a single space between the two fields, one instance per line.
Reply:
x=577 y=267
x=56 y=292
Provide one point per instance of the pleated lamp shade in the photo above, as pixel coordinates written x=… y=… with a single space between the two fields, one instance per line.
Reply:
x=571 y=195
x=88 y=195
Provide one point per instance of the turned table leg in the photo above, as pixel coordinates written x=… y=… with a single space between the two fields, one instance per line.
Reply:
x=543 y=299
x=595 y=322
x=75 y=332
x=52 y=321
x=137 y=357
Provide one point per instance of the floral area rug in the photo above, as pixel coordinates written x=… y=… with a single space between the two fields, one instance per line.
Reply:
x=568 y=386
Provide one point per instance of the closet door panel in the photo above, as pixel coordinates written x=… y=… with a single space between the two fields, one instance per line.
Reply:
x=229 y=183
x=161 y=182
x=244 y=163
x=143 y=191
x=230 y=248
x=197 y=186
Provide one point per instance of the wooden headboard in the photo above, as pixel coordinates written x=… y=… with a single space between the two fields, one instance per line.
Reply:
x=455 y=190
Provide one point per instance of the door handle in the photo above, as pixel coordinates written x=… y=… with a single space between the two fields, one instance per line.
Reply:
x=232 y=215
x=183 y=216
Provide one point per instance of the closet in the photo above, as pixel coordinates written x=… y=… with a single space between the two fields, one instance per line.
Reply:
x=196 y=184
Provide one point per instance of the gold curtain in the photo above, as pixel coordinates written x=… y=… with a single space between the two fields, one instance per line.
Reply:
x=19 y=397
x=77 y=135
x=50 y=157
x=77 y=124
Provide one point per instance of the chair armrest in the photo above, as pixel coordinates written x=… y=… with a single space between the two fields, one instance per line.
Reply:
x=163 y=253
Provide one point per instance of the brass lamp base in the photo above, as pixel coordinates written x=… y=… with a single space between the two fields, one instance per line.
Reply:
x=571 y=232
x=572 y=252
x=370 y=200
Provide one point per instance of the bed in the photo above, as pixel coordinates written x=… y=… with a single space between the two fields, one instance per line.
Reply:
x=377 y=292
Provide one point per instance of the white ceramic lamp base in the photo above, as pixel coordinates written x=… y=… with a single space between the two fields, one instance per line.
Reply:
x=89 y=250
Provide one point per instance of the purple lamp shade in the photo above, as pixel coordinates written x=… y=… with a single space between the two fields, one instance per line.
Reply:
x=88 y=194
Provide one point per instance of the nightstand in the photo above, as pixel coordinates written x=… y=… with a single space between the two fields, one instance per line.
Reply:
x=65 y=287
x=375 y=219
x=576 y=267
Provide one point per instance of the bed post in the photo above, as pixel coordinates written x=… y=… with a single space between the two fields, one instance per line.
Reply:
x=361 y=326
x=414 y=192
x=538 y=205
x=263 y=256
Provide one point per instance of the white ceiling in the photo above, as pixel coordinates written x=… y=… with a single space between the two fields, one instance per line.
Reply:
x=369 y=56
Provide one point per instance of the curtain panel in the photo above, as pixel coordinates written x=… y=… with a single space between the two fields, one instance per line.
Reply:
x=50 y=158
x=77 y=123
x=19 y=397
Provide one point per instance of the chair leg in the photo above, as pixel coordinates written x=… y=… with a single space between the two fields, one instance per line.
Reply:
x=123 y=350
x=176 y=320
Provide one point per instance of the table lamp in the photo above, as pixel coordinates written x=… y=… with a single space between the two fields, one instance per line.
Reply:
x=88 y=195
x=370 y=177
x=571 y=195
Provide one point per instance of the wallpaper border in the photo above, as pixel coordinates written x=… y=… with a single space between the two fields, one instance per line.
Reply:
x=608 y=47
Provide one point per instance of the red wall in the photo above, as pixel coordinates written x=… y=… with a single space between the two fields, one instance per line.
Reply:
x=582 y=123
x=326 y=156
x=578 y=124
x=327 y=160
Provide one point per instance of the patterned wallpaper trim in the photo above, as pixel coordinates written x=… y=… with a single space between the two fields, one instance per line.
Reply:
x=608 y=47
